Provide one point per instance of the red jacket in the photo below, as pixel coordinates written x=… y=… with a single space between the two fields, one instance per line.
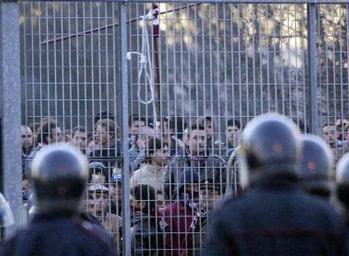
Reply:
x=179 y=224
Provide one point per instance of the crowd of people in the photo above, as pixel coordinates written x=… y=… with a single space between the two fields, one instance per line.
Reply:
x=177 y=168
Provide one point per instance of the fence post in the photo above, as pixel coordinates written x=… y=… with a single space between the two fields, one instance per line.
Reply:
x=10 y=82
x=312 y=67
x=125 y=112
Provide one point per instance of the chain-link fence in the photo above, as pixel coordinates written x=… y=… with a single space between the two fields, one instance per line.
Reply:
x=157 y=94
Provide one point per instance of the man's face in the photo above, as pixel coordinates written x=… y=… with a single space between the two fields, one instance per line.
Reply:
x=136 y=124
x=55 y=136
x=192 y=192
x=80 y=139
x=329 y=134
x=98 y=203
x=103 y=138
x=197 y=142
x=27 y=137
x=233 y=135
x=161 y=156
x=209 y=198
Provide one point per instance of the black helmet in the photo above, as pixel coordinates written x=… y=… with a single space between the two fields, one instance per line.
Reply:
x=317 y=161
x=270 y=146
x=342 y=180
x=59 y=175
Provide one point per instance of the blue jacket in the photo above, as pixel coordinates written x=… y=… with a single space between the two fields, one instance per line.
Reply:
x=276 y=219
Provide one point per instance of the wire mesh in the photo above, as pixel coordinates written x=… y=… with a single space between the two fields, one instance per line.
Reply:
x=198 y=72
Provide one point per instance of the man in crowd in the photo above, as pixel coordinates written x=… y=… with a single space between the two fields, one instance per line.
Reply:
x=273 y=216
x=208 y=123
x=135 y=122
x=27 y=140
x=99 y=206
x=329 y=132
x=106 y=142
x=151 y=173
x=48 y=133
x=233 y=134
x=137 y=150
x=195 y=158
x=79 y=138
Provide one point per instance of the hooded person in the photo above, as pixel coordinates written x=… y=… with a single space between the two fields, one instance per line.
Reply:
x=145 y=234
x=178 y=221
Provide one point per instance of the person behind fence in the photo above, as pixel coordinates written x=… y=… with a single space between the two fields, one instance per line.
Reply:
x=195 y=148
x=329 y=133
x=179 y=218
x=135 y=122
x=59 y=175
x=79 y=138
x=98 y=173
x=274 y=216
x=145 y=233
x=27 y=140
x=233 y=134
x=208 y=123
x=137 y=152
x=211 y=194
x=207 y=166
x=317 y=161
x=106 y=142
x=98 y=205
x=151 y=173
x=168 y=135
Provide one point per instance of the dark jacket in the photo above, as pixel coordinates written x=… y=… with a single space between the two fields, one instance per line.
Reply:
x=145 y=236
x=210 y=167
x=276 y=219
x=58 y=235
x=108 y=156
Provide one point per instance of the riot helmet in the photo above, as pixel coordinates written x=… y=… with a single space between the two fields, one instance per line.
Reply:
x=342 y=180
x=59 y=176
x=317 y=161
x=270 y=148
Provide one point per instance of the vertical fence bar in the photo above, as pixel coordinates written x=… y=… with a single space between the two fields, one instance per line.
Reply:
x=125 y=110
x=312 y=67
x=10 y=81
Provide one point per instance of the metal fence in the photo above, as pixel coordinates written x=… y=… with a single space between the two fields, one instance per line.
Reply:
x=157 y=94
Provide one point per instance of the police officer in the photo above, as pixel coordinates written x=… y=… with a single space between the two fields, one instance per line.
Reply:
x=342 y=180
x=317 y=161
x=273 y=216
x=59 y=175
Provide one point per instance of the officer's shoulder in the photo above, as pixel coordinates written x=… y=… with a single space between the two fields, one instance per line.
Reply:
x=229 y=201
x=95 y=231
x=321 y=205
